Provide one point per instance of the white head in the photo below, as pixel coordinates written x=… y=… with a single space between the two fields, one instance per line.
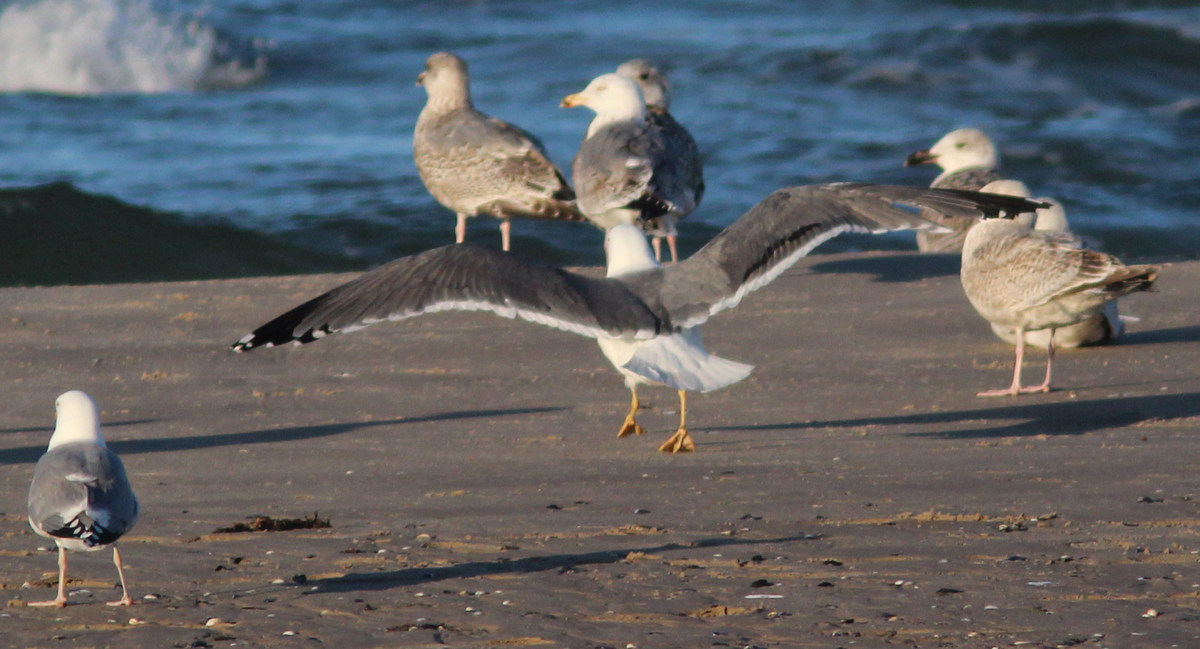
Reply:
x=627 y=250
x=656 y=90
x=77 y=420
x=1011 y=188
x=613 y=97
x=1007 y=187
x=1053 y=218
x=966 y=148
x=446 y=81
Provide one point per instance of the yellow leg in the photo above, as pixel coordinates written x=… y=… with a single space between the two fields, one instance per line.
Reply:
x=125 y=599
x=631 y=426
x=61 y=600
x=681 y=441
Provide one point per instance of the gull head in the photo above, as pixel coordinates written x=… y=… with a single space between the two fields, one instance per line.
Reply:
x=446 y=80
x=77 y=420
x=1053 y=218
x=627 y=250
x=656 y=90
x=1010 y=187
x=965 y=148
x=613 y=97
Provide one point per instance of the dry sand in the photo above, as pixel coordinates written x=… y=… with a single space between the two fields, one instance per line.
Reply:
x=852 y=492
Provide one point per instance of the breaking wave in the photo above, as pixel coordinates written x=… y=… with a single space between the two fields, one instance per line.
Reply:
x=87 y=47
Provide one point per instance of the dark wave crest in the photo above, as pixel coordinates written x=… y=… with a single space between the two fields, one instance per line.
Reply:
x=58 y=234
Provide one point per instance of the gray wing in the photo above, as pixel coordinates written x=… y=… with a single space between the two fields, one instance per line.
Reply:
x=790 y=223
x=624 y=166
x=683 y=176
x=972 y=179
x=476 y=164
x=80 y=490
x=466 y=277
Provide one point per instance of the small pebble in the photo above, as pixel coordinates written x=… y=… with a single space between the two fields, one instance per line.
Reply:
x=1151 y=613
x=213 y=621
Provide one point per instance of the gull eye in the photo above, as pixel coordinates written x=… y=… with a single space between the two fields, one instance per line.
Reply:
x=643 y=76
x=960 y=145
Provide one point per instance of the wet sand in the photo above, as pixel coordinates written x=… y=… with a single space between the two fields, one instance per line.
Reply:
x=852 y=492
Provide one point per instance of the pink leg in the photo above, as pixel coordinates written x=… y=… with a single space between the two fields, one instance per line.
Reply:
x=656 y=243
x=61 y=600
x=671 y=241
x=1045 y=386
x=505 y=233
x=1015 y=388
x=125 y=600
x=460 y=229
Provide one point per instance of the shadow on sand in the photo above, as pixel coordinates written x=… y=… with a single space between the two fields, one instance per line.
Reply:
x=558 y=562
x=134 y=446
x=1072 y=417
x=894 y=267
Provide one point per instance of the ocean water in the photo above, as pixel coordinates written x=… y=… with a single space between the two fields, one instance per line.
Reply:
x=271 y=136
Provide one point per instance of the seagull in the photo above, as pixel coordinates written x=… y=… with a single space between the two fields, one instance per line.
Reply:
x=678 y=145
x=626 y=171
x=475 y=164
x=645 y=317
x=1104 y=327
x=968 y=160
x=1025 y=280
x=80 y=495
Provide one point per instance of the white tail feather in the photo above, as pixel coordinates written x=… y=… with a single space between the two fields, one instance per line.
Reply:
x=681 y=362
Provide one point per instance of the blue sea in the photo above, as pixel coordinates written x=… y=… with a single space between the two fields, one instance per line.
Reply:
x=144 y=140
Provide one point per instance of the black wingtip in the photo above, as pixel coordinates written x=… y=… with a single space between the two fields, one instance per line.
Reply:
x=997 y=205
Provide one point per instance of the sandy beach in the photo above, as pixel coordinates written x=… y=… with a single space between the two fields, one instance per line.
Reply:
x=852 y=492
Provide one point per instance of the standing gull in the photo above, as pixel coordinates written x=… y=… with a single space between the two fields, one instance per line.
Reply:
x=80 y=496
x=1026 y=280
x=624 y=171
x=968 y=160
x=475 y=164
x=1104 y=327
x=678 y=146
x=645 y=317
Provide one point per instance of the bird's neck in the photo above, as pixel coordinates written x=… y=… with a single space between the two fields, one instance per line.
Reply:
x=628 y=251
x=613 y=115
x=987 y=230
x=77 y=431
x=449 y=98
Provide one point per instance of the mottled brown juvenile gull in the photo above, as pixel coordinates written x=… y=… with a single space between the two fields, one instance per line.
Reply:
x=679 y=148
x=1026 y=280
x=1104 y=327
x=475 y=164
x=80 y=495
x=968 y=160
x=645 y=317
x=624 y=172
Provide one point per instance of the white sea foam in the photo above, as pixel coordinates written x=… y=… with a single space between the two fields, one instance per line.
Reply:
x=84 y=47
